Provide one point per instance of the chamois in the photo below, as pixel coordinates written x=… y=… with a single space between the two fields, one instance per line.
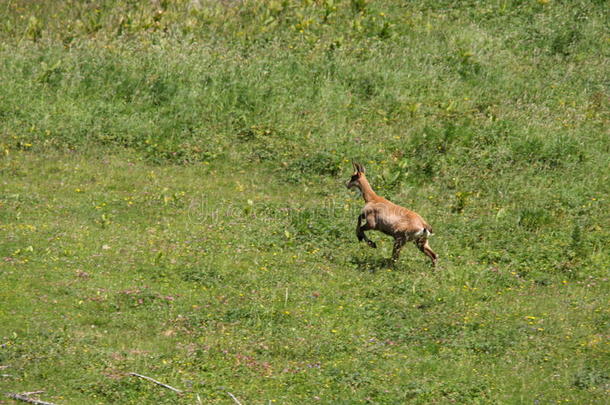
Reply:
x=382 y=215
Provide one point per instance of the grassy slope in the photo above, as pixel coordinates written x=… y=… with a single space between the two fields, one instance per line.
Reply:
x=172 y=201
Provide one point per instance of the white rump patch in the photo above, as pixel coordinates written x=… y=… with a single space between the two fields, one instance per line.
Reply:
x=422 y=233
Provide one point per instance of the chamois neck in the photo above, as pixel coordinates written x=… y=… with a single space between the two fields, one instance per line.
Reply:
x=367 y=191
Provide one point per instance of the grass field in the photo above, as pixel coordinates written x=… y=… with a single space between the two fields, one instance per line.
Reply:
x=172 y=201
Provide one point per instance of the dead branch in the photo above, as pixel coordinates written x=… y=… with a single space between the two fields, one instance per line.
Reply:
x=234 y=399
x=25 y=398
x=156 y=382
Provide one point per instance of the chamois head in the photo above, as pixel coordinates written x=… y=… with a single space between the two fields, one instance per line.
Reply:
x=354 y=181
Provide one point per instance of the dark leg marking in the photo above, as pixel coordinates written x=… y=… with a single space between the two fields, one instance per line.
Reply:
x=398 y=244
x=360 y=232
x=423 y=245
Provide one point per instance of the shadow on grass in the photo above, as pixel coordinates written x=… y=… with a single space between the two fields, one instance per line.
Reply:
x=370 y=264
x=373 y=264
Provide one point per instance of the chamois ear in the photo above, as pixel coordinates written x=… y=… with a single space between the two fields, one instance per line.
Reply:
x=356 y=168
x=360 y=168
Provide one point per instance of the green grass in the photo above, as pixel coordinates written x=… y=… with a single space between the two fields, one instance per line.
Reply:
x=172 y=201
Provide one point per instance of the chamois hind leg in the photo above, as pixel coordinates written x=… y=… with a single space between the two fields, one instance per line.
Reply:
x=360 y=231
x=399 y=242
x=424 y=246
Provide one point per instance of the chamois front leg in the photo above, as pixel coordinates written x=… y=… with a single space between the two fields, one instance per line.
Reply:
x=360 y=231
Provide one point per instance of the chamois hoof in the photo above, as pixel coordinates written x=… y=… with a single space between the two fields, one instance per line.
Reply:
x=390 y=263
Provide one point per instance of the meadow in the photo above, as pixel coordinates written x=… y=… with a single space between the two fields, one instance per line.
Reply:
x=173 y=201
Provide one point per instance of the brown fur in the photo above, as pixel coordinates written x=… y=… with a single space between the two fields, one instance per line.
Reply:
x=382 y=215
